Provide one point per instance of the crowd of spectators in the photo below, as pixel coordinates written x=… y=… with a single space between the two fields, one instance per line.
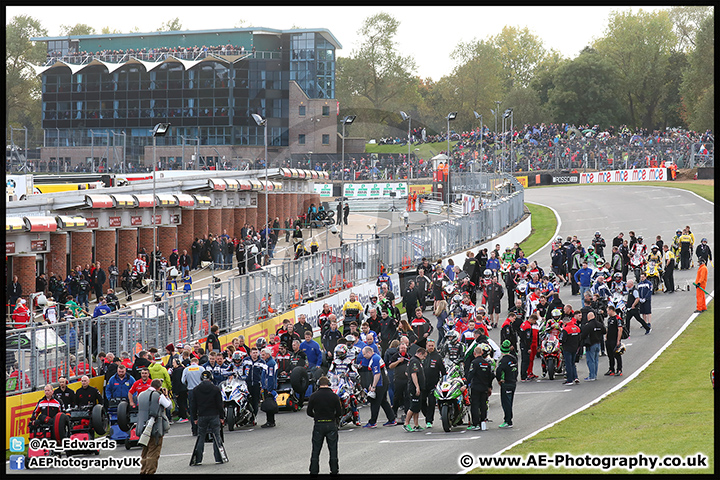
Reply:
x=150 y=54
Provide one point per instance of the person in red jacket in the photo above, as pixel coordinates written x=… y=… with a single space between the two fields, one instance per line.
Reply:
x=46 y=408
x=528 y=347
x=570 y=341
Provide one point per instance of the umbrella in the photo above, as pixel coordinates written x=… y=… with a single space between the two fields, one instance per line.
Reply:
x=635 y=137
x=588 y=130
x=533 y=141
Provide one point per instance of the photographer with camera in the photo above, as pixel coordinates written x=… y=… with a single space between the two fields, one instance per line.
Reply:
x=151 y=412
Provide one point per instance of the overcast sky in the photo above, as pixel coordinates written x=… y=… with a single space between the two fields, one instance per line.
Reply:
x=428 y=34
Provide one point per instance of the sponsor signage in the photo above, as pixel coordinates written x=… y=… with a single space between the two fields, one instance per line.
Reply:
x=9 y=247
x=136 y=220
x=324 y=189
x=471 y=204
x=38 y=245
x=563 y=179
x=523 y=181
x=92 y=222
x=375 y=190
x=114 y=221
x=621 y=176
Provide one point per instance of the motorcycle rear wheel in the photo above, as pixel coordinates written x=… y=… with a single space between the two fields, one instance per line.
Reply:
x=445 y=416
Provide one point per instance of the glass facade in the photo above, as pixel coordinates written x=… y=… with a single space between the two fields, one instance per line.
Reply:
x=212 y=100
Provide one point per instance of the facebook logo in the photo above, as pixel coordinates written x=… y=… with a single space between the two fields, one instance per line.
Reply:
x=17 y=462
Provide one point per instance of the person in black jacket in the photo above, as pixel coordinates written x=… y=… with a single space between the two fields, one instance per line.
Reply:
x=434 y=370
x=209 y=414
x=87 y=394
x=593 y=331
x=480 y=377
x=213 y=341
x=325 y=407
x=179 y=389
x=506 y=375
x=410 y=297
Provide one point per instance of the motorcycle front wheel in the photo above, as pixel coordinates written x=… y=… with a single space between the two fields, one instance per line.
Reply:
x=445 y=416
x=230 y=417
x=551 y=368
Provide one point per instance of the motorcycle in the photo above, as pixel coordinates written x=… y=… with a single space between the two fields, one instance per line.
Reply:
x=345 y=389
x=552 y=358
x=637 y=263
x=617 y=300
x=235 y=396
x=451 y=398
x=653 y=272
x=138 y=282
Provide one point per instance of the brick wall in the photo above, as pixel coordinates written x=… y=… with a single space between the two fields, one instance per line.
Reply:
x=128 y=241
x=167 y=239
x=56 y=259
x=80 y=248
x=105 y=247
x=186 y=231
x=240 y=219
x=201 y=223
x=24 y=268
x=214 y=223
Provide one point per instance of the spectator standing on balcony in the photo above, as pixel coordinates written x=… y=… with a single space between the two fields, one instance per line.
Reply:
x=14 y=291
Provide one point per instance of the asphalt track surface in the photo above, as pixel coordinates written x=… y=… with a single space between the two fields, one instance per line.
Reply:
x=582 y=210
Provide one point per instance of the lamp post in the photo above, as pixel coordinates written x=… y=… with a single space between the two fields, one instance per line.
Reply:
x=407 y=117
x=160 y=130
x=450 y=116
x=345 y=121
x=496 y=112
x=262 y=122
x=479 y=116
x=509 y=113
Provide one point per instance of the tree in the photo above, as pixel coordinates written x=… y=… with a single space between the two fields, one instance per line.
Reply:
x=639 y=46
x=22 y=84
x=526 y=106
x=686 y=21
x=171 y=25
x=698 y=85
x=520 y=52
x=586 y=91
x=77 y=29
x=542 y=81
x=375 y=77
x=108 y=30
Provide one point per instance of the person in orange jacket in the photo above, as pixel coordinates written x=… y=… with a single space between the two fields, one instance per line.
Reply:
x=700 y=285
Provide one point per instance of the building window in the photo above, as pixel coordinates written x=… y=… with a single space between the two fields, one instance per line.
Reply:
x=301 y=139
x=326 y=110
x=326 y=139
x=301 y=110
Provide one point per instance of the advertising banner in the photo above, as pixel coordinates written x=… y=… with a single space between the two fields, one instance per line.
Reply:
x=470 y=203
x=324 y=189
x=563 y=179
x=376 y=190
x=621 y=176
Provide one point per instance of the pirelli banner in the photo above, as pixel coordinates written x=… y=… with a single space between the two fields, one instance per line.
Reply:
x=622 y=176
x=564 y=179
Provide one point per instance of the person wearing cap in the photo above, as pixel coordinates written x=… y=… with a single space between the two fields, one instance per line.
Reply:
x=703 y=251
x=700 y=285
x=21 y=314
x=208 y=412
x=325 y=408
x=506 y=375
x=668 y=275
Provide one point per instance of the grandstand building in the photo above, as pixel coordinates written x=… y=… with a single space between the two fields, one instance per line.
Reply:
x=102 y=95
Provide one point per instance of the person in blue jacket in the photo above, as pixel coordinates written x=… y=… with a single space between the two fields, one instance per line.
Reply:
x=313 y=352
x=583 y=277
x=119 y=384
x=268 y=381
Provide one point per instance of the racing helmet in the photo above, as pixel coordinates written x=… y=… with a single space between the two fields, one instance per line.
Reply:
x=481 y=310
x=597 y=234
x=449 y=288
x=640 y=238
x=341 y=351
x=350 y=339
x=453 y=336
x=487 y=272
x=551 y=276
x=486 y=349
x=237 y=357
x=620 y=349
x=678 y=232
x=556 y=313
x=522 y=287
x=261 y=343
x=591 y=249
x=507 y=249
x=617 y=276
x=654 y=248
x=523 y=268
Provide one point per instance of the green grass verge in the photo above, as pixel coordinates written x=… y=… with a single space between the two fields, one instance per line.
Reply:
x=544 y=224
x=705 y=191
x=667 y=410
x=425 y=150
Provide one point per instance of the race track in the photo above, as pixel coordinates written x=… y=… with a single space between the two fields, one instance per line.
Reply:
x=648 y=211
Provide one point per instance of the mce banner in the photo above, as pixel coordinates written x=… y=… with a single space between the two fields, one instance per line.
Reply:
x=632 y=175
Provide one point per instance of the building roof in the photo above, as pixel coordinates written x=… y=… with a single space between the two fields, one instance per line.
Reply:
x=254 y=30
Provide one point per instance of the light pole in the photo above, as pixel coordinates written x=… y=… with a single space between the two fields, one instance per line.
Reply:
x=345 y=121
x=407 y=117
x=479 y=116
x=262 y=122
x=509 y=113
x=160 y=130
x=450 y=116
x=496 y=112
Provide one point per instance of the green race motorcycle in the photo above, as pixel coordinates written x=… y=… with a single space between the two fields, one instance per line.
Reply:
x=451 y=397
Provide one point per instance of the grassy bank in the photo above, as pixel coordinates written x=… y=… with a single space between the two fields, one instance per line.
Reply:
x=544 y=224
x=667 y=410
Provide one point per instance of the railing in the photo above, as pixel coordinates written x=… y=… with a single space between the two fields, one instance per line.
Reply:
x=44 y=352
x=86 y=57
